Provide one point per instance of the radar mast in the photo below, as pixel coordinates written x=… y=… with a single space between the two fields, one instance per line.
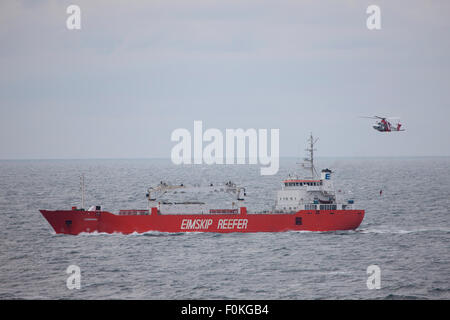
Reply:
x=309 y=161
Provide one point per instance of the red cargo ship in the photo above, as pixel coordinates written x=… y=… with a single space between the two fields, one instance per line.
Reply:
x=309 y=204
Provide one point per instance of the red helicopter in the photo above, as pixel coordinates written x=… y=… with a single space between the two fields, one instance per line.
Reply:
x=384 y=125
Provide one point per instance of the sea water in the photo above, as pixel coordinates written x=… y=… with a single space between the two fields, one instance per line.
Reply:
x=405 y=232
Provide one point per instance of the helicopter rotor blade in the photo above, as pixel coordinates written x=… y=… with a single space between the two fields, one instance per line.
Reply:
x=373 y=117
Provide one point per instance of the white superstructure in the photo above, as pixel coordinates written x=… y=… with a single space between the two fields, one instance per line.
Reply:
x=311 y=193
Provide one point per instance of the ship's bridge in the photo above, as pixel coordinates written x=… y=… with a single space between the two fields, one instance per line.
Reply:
x=307 y=194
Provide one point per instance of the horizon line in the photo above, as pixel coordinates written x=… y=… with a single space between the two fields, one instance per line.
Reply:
x=168 y=158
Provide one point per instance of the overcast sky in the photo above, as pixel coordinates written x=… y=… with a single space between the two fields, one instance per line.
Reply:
x=137 y=70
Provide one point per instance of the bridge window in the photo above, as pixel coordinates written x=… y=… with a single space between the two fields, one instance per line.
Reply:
x=328 y=207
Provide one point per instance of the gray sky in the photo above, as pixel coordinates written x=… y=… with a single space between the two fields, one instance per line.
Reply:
x=137 y=70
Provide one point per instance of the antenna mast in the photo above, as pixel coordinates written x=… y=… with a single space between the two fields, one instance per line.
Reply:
x=82 y=190
x=310 y=160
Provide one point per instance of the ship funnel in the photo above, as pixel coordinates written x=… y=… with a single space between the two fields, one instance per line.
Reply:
x=326 y=174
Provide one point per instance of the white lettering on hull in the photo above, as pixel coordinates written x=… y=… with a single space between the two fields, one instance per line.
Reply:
x=196 y=224
x=204 y=224
x=232 y=224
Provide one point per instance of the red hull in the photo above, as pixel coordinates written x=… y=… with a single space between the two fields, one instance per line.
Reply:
x=75 y=221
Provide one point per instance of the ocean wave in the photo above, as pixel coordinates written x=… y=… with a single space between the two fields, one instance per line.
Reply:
x=402 y=231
